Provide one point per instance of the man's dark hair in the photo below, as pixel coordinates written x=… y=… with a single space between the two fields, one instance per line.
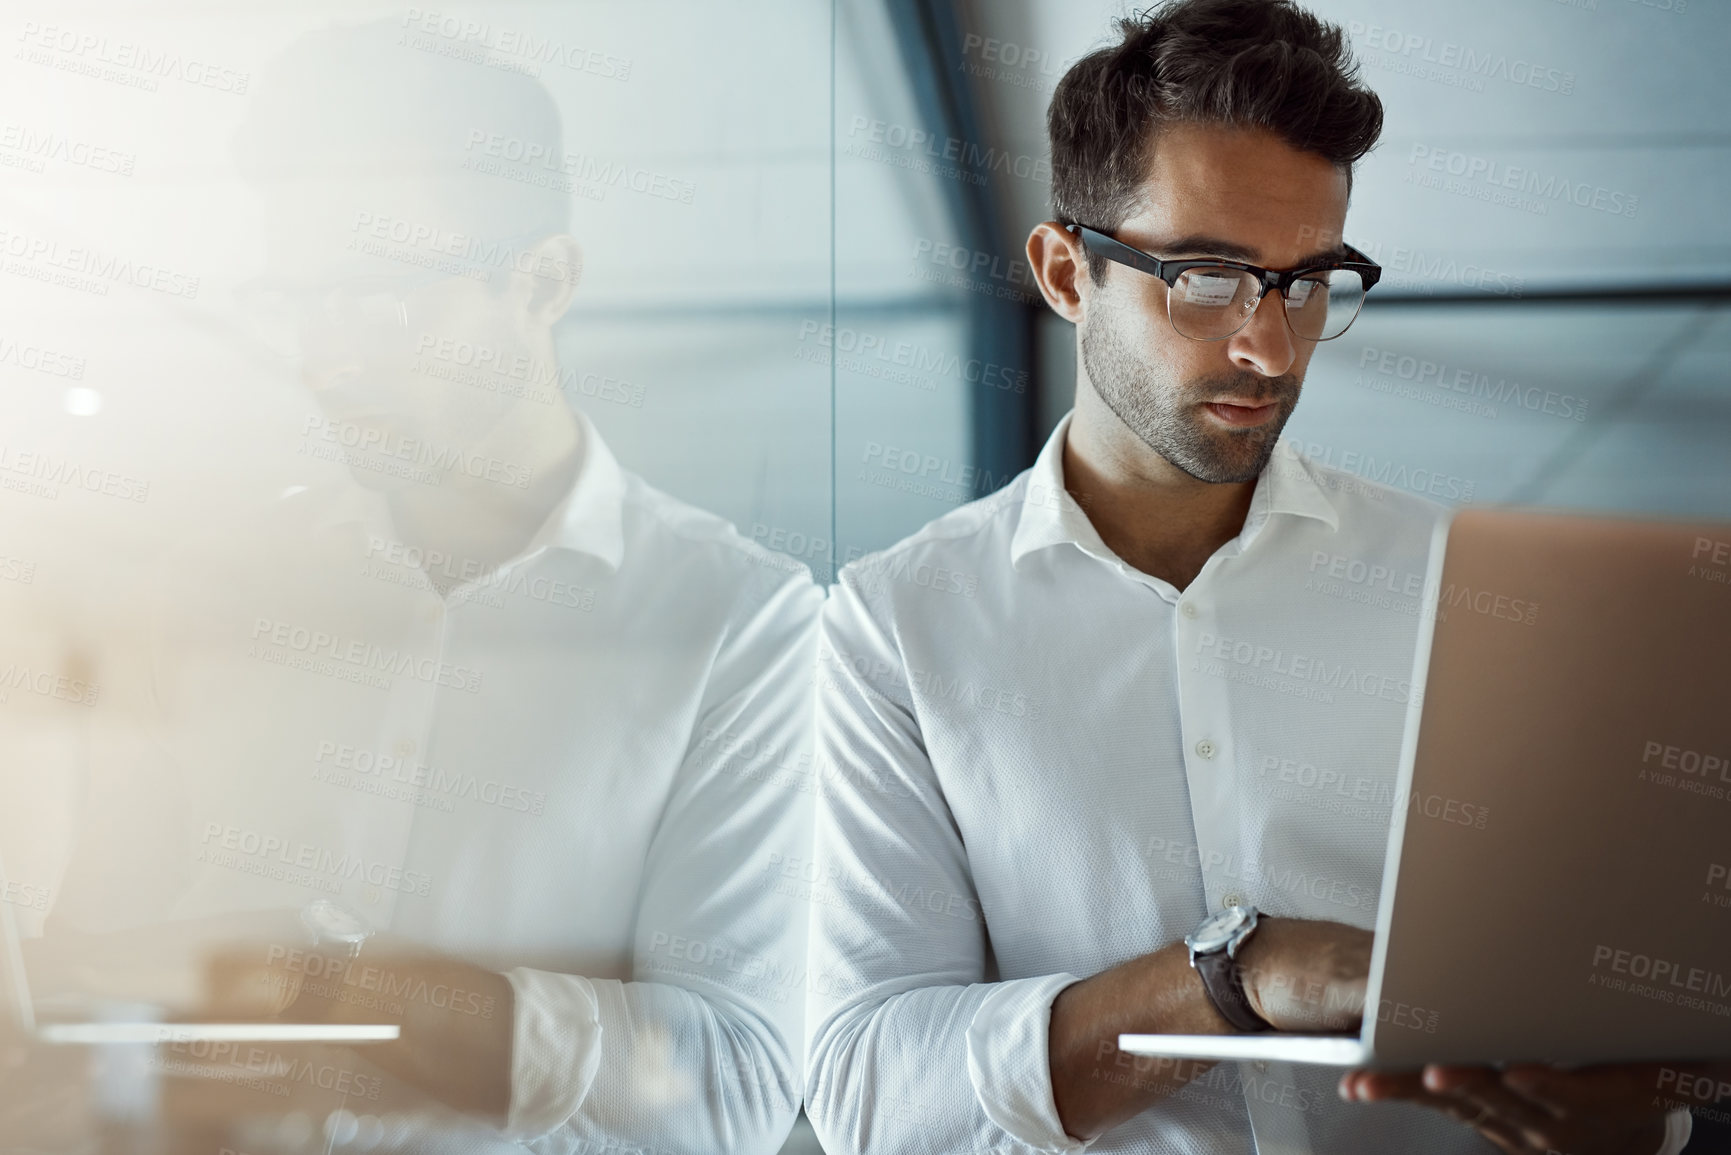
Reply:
x=1246 y=63
x=354 y=102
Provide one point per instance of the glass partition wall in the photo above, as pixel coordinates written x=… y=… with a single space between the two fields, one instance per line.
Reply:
x=412 y=441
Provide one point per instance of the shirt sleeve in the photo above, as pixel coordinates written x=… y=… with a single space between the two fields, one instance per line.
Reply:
x=910 y=1048
x=700 y=1051
x=555 y=1049
x=1679 y=1125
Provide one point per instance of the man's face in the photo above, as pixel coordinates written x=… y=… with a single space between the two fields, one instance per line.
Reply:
x=394 y=353
x=1214 y=409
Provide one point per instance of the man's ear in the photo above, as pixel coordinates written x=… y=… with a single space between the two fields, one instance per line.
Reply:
x=546 y=279
x=1060 y=265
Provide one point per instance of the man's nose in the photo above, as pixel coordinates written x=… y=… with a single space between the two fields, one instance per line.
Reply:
x=326 y=363
x=322 y=379
x=329 y=353
x=1265 y=345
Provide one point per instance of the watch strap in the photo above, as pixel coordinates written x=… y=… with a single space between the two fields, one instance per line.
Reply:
x=1224 y=984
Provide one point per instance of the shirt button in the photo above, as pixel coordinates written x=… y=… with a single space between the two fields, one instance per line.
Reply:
x=1188 y=609
x=1205 y=748
x=1261 y=1067
x=405 y=748
x=1231 y=900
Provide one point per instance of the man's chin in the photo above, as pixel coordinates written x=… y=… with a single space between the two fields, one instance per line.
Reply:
x=1229 y=458
x=385 y=481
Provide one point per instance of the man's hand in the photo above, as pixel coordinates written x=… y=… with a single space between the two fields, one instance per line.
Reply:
x=456 y=1017
x=1608 y=1110
x=164 y=964
x=1306 y=975
x=1299 y=975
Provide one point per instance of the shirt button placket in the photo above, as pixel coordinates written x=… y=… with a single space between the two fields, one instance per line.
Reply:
x=1203 y=712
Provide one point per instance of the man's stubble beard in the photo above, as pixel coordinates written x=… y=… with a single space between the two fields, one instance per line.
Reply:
x=1164 y=413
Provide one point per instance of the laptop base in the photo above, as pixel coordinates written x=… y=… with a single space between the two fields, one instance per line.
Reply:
x=1270 y=1046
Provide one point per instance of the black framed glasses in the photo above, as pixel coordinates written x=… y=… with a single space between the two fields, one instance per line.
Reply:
x=363 y=309
x=1211 y=298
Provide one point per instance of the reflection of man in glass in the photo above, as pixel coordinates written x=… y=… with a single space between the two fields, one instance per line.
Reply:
x=501 y=729
x=417 y=295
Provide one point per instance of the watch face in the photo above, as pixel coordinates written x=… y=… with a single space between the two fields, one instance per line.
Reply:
x=1219 y=929
x=333 y=923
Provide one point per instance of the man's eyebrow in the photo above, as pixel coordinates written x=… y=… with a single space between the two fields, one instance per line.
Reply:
x=1207 y=246
x=1231 y=250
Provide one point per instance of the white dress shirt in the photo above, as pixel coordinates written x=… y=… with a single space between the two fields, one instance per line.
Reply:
x=1048 y=763
x=582 y=770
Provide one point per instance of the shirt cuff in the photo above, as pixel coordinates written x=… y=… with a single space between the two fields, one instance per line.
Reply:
x=555 y=1049
x=1679 y=1125
x=1009 y=1066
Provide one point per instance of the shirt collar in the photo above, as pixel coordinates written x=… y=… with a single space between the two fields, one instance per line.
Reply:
x=589 y=519
x=1289 y=484
x=1050 y=516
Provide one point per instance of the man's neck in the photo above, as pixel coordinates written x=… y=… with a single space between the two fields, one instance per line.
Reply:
x=1148 y=511
x=484 y=523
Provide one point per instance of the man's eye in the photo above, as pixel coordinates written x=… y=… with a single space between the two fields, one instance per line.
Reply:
x=1212 y=289
x=374 y=308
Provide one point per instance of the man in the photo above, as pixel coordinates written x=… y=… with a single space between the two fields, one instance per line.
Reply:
x=502 y=746
x=1041 y=790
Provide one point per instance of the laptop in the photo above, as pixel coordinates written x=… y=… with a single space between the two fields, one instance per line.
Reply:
x=1576 y=679
x=19 y=1012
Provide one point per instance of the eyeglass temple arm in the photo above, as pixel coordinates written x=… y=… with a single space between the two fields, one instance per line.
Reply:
x=1371 y=271
x=1116 y=250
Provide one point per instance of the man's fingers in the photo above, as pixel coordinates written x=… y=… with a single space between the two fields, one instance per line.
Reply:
x=1408 y=1086
x=242 y=986
x=1370 y=1086
x=1446 y=1080
x=1490 y=1101
x=1470 y=1095
x=1504 y=1138
x=1587 y=1090
x=1530 y=1108
x=1536 y=1086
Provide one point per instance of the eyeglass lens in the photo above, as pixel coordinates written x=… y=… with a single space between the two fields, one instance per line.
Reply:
x=1210 y=303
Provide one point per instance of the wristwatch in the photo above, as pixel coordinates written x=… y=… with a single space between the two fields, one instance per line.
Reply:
x=335 y=928
x=1214 y=948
